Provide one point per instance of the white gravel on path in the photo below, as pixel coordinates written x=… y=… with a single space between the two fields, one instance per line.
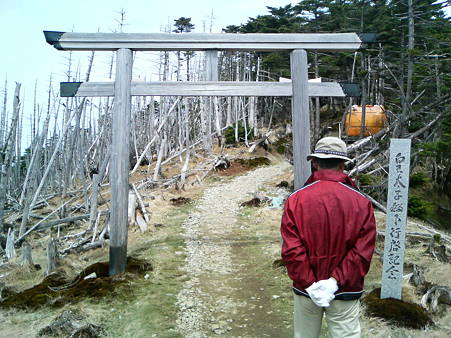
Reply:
x=209 y=258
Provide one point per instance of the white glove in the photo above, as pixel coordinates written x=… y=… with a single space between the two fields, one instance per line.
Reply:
x=322 y=292
x=328 y=285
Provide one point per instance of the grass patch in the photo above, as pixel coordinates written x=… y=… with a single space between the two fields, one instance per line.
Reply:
x=262 y=225
x=152 y=310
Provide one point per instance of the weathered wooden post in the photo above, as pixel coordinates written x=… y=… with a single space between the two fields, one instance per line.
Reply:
x=395 y=231
x=120 y=162
x=300 y=116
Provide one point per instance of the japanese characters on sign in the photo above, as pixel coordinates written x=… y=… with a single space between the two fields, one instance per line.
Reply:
x=398 y=191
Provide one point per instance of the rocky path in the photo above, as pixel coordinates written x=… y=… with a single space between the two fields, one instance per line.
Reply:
x=212 y=302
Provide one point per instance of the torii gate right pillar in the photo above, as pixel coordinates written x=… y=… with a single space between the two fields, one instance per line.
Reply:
x=300 y=116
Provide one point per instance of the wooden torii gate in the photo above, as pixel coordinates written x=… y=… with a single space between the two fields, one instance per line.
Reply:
x=123 y=88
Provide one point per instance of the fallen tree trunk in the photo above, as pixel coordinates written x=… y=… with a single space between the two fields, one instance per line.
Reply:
x=84 y=245
x=426 y=127
x=362 y=167
x=263 y=142
x=375 y=203
x=72 y=219
x=142 y=207
x=40 y=222
x=356 y=145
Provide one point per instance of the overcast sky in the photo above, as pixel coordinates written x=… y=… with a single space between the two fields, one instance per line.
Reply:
x=25 y=56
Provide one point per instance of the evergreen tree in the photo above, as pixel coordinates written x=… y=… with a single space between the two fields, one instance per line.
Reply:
x=184 y=25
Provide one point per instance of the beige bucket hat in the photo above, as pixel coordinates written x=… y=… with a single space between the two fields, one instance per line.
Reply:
x=330 y=147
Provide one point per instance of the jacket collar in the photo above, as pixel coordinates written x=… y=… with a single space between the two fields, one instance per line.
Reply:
x=330 y=175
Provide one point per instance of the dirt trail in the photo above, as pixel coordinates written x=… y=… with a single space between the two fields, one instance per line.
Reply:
x=220 y=298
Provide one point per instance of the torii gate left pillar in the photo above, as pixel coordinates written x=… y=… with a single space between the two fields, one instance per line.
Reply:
x=119 y=169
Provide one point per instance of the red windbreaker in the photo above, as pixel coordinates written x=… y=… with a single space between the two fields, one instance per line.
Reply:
x=328 y=230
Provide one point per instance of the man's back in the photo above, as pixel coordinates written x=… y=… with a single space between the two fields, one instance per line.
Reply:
x=329 y=216
x=329 y=233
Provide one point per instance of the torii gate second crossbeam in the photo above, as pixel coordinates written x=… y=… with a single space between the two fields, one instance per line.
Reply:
x=123 y=88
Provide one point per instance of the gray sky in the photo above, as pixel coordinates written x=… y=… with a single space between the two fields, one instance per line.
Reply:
x=26 y=57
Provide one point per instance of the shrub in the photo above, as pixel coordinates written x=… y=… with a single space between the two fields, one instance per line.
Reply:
x=229 y=133
x=418 y=207
x=366 y=179
x=281 y=149
x=418 y=179
x=254 y=162
x=281 y=145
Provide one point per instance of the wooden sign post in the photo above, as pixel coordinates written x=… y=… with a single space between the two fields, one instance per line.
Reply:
x=123 y=88
x=395 y=232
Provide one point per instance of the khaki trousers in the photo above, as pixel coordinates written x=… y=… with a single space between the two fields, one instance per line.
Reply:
x=342 y=317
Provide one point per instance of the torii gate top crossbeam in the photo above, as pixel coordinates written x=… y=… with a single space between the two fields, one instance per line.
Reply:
x=207 y=41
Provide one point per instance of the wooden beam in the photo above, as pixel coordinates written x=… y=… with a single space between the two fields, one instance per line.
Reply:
x=205 y=41
x=119 y=165
x=207 y=88
x=300 y=117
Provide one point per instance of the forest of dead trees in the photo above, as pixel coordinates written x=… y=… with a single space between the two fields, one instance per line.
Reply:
x=68 y=153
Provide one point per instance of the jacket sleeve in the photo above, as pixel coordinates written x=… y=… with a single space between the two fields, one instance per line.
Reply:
x=356 y=263
x=294 y=253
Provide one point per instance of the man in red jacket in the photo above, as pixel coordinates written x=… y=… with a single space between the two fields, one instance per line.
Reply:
x=329 y=233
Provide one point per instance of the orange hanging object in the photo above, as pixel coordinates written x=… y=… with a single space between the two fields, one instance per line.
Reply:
x=375 y=120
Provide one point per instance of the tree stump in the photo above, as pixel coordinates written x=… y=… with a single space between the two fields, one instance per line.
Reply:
x=52 y=256
x=10 y=251
x=71 y=323
x=435 y=296
x=222 y=162
x=132 y=203
x=437 y=251
x=27 y=260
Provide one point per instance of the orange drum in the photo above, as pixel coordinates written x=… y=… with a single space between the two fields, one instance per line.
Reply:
x=375 y=120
